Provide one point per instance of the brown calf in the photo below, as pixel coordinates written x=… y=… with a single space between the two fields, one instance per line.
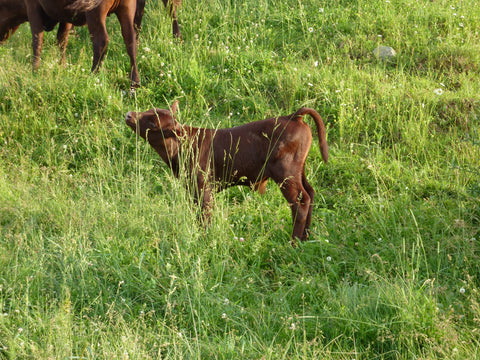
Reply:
x=249 y=155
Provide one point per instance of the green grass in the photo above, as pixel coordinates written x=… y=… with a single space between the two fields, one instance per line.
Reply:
x=101 y=253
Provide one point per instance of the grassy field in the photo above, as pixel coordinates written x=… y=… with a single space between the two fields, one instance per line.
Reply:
x=101 y=256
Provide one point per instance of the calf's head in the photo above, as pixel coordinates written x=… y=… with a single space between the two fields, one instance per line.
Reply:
x=159 y=128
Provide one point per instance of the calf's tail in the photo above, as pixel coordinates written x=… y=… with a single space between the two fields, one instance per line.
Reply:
x=322 y=137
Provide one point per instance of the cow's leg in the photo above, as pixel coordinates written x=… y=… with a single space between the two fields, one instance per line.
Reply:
x=126 y=17
x=6 y=30
x=139 y=16
x=175 y=26
x=172 y=8
x=98 y=32
x=62 y=38
x=36 y=26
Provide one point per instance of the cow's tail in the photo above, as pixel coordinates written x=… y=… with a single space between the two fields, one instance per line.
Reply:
x=322 y=136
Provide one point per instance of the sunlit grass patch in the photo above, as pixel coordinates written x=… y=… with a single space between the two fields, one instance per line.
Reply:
x=102 y=250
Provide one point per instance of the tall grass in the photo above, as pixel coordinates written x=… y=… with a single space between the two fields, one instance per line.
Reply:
x=101 y=251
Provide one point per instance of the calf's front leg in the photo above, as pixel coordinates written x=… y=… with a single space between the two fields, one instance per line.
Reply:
x=202 y=195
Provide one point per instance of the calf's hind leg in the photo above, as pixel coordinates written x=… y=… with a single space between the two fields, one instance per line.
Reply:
x=300 y=203
x=311 y=193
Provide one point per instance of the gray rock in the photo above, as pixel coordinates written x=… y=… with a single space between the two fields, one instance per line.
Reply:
x=384 y=52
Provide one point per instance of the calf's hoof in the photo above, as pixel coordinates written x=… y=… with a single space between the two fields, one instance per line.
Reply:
x=134 y=85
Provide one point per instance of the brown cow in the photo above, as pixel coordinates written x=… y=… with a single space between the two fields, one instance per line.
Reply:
x=14 y=13
x=249 y=155
x=45 y=14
